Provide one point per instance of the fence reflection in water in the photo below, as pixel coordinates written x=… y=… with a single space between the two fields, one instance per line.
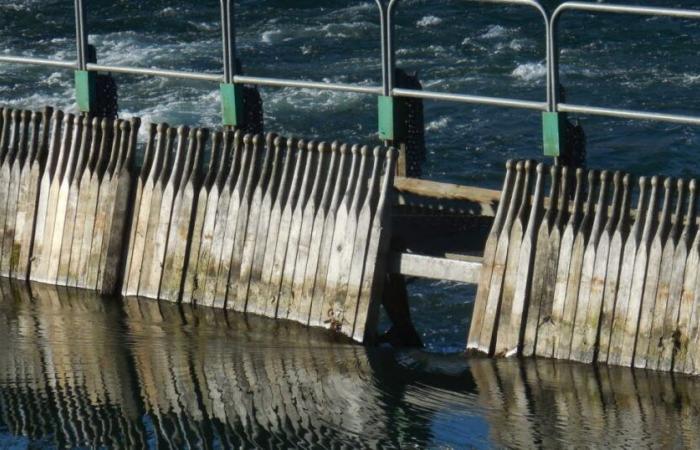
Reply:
x=79 y=370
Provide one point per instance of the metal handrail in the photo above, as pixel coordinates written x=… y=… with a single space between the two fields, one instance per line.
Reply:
x=604 y=111
x=465 y=98
x=387 y=88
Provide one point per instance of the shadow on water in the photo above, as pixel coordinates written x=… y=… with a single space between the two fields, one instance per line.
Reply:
x=79 y=370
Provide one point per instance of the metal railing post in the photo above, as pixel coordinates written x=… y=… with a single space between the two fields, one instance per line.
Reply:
x=85 y=81
x=386 y=107
x=231 y=93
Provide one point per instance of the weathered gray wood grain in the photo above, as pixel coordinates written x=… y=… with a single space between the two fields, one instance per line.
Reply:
x=539 y=271
x=612 y=272
x=337 y=281
x=320 y=192
x=180 y=239
x=9 y=253
x=566 y=320
x=588 y=323
x=7 y=187
x=150 y=287
x=321 y=228
x=217 y=162
x=44 y=193
x=225 y=227
x=220 y=265
x=272 y=288
x=29 y=192
x=122 y=184
x=306 y=192
x=577 y=327
x=232 y=277
x=482 y=294
x=677 y=313
x=259 y=212
x=547 y=338
x=490 y=317
x=639 y=237
x=337 y=213
x=657 y=280
x=360 y=246
x=511 y=333
x=141 y=180
x=511 y=271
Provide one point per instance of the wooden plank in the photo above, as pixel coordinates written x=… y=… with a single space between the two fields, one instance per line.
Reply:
x=9 y=254
x=68 y=240
x=661 y=252
x=228 y=288
x=373 y=278
x=684 y=361
x=585 y=340
x=67 y=176
x=122 y=185
x=272 y=287
x=489 y=259
x=220 y=264
x=155 y=228
x=5 y=123
x=43 y=259
x=489 y=322
x=300 y=219
x=215 y=171
x=546 y=339
x=583 y=309
x=105 y=199
x=338 y=275
x=217 y=200
x=511 y=332
x=564 y=322
x=140 y=251
x=259 y=212
x=210 y=250
x=434 y=268
x=485 y=201
x=636 y=240
x=181 y=228
x=29 y=192
x=141 y=180
x=539 y=270
x=678 y=313
x=642 y=269
x=358 y=262
x=10 y=154
x=91 y=188
x=314 y=209
x=511 y=272
x=612 y=272
x=80 y=190
x=44 y=192
x=316 y=274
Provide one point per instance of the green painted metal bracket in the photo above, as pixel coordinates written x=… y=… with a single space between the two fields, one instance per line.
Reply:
x=85 y=90
x=231 y=104
x=553 y=132
x=391 y=118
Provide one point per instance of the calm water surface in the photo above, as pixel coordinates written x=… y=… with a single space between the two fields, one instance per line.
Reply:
x=80 y=370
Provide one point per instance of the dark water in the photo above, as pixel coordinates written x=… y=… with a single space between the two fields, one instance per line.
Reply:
x=79 y=370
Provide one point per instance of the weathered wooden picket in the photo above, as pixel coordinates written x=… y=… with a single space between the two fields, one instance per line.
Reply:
x=583 y=277
x=281 y=227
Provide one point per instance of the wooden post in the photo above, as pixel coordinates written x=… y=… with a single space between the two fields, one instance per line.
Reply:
x=6 y=186
x=215 y=172
x=490 y=318
x=546 y=339
x=488 y=261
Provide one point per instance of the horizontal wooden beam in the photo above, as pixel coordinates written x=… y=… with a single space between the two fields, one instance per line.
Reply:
x=486 y=199
x=463 y=270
